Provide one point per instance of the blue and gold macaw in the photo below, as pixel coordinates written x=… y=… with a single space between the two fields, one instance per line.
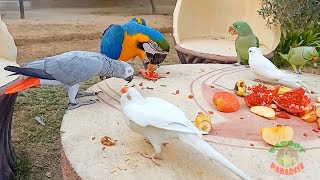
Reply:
x=135 y=38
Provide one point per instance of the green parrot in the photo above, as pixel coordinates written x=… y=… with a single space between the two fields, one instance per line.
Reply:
x=244 y=41
x=299 y=56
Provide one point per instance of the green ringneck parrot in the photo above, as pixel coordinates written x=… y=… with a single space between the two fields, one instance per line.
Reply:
x=127 y=41
x=244 y=41
x=299 y=56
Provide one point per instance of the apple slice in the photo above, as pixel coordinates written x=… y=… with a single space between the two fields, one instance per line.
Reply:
x=276 y=135
x=205 y=126
x=264 y=111
x=310 y=117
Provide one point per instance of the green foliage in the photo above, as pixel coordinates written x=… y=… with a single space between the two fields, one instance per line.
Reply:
x=300 y=24
x=291 y=14
x=290 y=39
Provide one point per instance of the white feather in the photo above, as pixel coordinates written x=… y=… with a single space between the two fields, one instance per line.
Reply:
x=266 y=71
x=8 y=49
x=159 y=120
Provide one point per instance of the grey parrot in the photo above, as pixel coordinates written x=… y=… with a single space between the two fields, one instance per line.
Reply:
x=69 y=70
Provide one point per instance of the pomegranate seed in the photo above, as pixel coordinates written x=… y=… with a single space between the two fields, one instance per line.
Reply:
x=251 y=144
x=210 y=112
x=305 y=134
x=190 y=96
x=168 y=72
x=142 y=88
x=177 y=91
x=312 y=92
x=141 y=84
x=212 y=86
x=315 y=130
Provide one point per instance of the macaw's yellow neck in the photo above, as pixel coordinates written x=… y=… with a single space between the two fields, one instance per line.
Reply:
x=130 y=49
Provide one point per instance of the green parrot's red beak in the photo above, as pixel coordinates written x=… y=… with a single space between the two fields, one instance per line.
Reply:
x=315 y=59
x=232 y=30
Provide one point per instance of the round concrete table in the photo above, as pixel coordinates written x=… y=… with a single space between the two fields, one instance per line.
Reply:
x=234 y=135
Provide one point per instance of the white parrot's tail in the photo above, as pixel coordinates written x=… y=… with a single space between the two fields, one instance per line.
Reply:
x=198 y=143
x=295 y=81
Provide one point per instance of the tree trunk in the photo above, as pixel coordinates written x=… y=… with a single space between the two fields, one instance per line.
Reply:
x=7 y=155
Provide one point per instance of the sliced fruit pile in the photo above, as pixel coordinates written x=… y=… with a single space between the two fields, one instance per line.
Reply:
x=203 y=122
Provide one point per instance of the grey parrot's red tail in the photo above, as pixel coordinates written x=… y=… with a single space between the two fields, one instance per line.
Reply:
x=23 y=85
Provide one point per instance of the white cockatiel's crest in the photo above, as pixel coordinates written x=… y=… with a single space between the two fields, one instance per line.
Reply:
x=266 y=71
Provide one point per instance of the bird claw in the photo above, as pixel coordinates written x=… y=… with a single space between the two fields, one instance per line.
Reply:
x=83 y=93
x=79 y=104
x=153 y=157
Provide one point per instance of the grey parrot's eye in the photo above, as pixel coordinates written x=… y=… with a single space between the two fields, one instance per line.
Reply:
x=250 y=51
x=129 y=97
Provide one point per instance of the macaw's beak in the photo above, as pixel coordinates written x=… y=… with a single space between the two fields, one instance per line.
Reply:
x=315 y=59
x=124 y=89
x=156 y=58
x=129 y=79
x=232 y=31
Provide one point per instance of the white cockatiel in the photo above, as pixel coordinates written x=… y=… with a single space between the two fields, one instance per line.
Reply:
x=159 y=121
x=266 y=71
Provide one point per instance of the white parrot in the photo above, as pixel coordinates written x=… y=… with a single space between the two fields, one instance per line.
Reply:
x=159 y=120
x=266 y=71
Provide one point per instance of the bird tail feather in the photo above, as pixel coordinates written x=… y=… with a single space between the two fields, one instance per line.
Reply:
x=297 y=82
x=199 y=144
x=22 y=85
x=284 y=56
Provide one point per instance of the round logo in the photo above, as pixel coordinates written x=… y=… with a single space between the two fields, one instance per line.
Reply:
x=287 y=156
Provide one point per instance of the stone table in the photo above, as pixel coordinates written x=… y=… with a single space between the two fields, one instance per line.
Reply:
x=234 y=135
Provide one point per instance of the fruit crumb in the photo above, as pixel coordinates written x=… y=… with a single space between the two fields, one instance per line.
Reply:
x=168 y=72
x=251 y=144
x=141 y=84
x=305 y=134
x=312 y=92
x=190 y=96
x=93 y=138
x=212 y=86
x=278 y=125
x=103 y=148
x=177 y=91
x=210 y=112
x=142 y=88
x=315 y=130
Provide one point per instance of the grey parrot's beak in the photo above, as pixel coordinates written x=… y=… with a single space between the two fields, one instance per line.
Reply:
x=129 y=79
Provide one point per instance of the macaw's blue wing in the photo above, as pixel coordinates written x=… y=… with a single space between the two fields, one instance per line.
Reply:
x=112 y=40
